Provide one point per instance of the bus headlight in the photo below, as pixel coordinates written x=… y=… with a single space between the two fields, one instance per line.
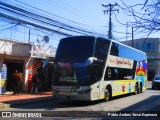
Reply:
x=84 y=91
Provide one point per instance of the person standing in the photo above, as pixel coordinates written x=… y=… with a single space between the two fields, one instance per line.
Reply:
x=35 y=82
x=16 y=82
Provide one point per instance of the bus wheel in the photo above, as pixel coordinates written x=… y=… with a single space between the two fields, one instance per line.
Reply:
x=140 y=88
x=136 y=89
x=107 y=95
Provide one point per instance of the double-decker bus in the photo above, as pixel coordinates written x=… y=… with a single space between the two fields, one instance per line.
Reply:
x=94 y=68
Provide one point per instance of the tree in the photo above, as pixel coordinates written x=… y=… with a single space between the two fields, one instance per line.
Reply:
x=146 y=15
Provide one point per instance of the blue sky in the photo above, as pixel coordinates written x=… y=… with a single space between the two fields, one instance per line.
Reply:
x=87 y=13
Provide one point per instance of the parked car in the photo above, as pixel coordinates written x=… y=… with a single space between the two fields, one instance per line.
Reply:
x=156 y=82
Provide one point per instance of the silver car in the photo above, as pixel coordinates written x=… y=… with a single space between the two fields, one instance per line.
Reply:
x=156 y=82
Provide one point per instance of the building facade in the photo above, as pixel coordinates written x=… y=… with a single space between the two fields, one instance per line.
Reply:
x=152 y=48
x=24 y=57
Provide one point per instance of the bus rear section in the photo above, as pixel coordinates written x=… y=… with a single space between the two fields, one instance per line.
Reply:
x=125 y=72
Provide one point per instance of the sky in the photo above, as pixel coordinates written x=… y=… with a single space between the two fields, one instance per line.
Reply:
x=87 y=13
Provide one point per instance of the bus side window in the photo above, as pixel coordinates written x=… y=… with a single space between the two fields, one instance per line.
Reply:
x=119 y=73
x=108 y=74
x=111 y=73
x=114 y=49
x=101 y=49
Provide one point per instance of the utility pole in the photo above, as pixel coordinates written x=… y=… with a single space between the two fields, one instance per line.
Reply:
x=29 y=36
x=110 y=9
x=126 y=31
x=132 y=38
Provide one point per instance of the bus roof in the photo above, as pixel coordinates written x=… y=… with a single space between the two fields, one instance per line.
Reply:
x=108 y=39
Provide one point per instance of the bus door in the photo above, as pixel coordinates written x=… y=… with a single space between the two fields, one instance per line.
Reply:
x=101 y=53
x=95 y=74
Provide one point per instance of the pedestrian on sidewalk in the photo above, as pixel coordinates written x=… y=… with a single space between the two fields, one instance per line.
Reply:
x=16 y=82
x=35 y=82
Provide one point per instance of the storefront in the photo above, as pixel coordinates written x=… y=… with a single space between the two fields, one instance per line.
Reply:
x=43 y=64
x=21 y=56
x=13 y=56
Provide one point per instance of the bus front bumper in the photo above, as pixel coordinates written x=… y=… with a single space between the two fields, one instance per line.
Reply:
x=71 y=96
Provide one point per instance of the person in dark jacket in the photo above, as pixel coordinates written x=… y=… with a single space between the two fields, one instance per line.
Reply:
x=35 y=82
x=16 y=82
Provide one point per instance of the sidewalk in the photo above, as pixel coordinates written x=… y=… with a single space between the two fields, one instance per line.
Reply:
x=8 y=100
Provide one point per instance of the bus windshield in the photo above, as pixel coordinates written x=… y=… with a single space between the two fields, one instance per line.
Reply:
x=75 y=49
x=80 y=60
x=71 y=57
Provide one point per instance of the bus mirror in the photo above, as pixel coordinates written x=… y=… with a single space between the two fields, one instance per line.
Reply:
x=92 y=60
x=99 y=60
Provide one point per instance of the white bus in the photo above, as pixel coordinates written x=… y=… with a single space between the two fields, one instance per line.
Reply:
x=94 y=68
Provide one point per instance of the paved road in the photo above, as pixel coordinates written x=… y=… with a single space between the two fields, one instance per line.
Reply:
x=148 y=101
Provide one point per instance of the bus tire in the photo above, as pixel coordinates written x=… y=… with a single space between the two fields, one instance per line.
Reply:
x=108 y=94
x=140 y=88
x=53 y=96
x=136 y=89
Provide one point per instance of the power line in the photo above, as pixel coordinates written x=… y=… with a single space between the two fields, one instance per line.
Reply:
x=25 y=16
x=59 y=18
x=33 y=24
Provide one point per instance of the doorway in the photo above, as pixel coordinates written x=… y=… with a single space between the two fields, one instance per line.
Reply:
x=13 y=65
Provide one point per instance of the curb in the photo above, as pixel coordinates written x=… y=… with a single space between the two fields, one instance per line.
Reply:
x=4 y=106
x=34 y=100
x=25 y=102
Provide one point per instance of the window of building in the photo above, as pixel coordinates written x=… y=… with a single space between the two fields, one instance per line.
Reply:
x=150 y=59
x=136 y=46
x=147 y=47
x=143 y=47
x=153 y=47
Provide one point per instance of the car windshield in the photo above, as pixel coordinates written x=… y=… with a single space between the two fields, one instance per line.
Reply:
x=157 y=77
